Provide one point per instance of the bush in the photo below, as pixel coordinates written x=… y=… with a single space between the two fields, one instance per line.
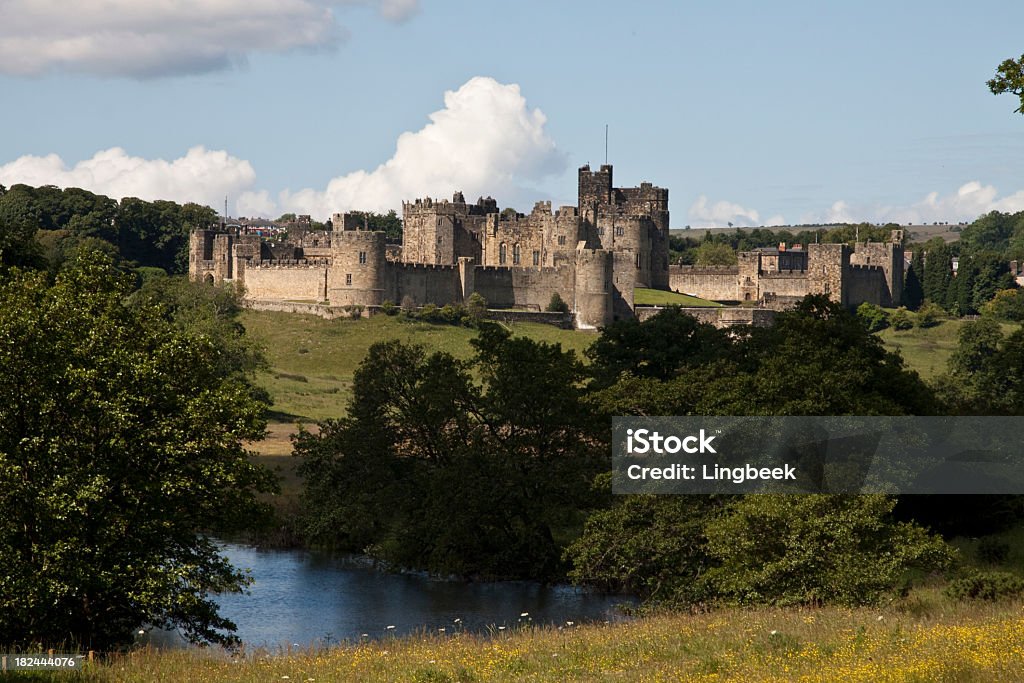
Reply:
x=985 y=586
x=872 y=316
x=556 y=305
x=476 y=307
x=814 y=549
x=993 y=551
x=389 y=308
x=1008 y=304
x=929 y=315
x=900 y=319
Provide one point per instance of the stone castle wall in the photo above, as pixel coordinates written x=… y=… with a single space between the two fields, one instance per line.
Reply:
x=715 y=283
x=529 y=288
x=296 y=281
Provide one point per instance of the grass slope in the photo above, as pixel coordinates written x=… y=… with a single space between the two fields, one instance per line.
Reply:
x=312 y=360
x=927 y=350
x=917 y=639
x=659 y=297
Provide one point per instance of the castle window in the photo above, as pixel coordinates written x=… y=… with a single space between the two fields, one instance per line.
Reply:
x=536 y=257
x=638 y=260
x=362 y=257
x=561 y=239
x=619 y=231
x=348 y=279
x=502 y=253
x=515 y=254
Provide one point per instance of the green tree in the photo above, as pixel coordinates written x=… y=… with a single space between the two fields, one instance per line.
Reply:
x=814 y=549
x=900 y=319
x=557 y=304
x=713 y=254
x=1009 y=78
x=389 y=223
x=873 y=317
x=938 y=273
x=650 y=546
x=986 y=371
x=431 y=470
x=913 y=292
x=120 y=442
x=1007 y=304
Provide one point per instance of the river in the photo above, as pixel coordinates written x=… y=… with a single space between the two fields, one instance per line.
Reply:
x=308 y=597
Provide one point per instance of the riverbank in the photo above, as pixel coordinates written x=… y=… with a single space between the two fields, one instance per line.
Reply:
x=923 y=638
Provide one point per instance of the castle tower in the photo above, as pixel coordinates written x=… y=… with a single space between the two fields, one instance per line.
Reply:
x=357 y=275
x=827 y=266
x=594 y=288
x=595 y=190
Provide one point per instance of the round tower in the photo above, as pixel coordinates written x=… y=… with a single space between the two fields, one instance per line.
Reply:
x=593 y=299
x=357 y=276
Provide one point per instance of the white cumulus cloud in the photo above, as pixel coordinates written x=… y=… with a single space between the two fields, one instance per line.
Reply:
x=485 y=141
x=202 y=175
x=166 y=37
x=704 y=214
x=970 y=200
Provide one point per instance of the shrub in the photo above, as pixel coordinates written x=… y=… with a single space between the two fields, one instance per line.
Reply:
x=929 y=315
x=556 y=305
x=389 y=308
x=900 y=319
x=814 y=549
x=872 y=316
x=993 y=551
x=1008 y=304
x=977 y=585
x=476 y=307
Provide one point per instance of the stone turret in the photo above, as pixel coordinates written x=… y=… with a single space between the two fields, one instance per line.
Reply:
x=357 y=275
x=594 y=288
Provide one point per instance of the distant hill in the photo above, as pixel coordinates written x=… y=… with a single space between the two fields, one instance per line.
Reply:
x=914 y=233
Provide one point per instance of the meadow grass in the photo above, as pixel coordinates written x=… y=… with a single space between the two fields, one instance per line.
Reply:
x=928 y=349
x=312 y=360
x=916 y=639
x=659 y=297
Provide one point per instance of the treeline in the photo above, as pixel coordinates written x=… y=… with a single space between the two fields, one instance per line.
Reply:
x=41 y=227
x=983 y=255
x=719 y=248
x=496 y=467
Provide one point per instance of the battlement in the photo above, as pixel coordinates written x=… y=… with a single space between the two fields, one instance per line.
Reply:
x=288 y=263
x=457 y=207
x=405 y=265
x=718 y=270
x=784 y=274
x=520 y=269
x=860 y=267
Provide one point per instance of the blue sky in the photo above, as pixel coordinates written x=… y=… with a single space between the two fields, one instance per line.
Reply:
x=751 y=113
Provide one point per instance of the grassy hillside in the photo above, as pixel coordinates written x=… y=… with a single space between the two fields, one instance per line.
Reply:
x=923 y=638
x=928 y=350
x=659 y=297
x=312 y=360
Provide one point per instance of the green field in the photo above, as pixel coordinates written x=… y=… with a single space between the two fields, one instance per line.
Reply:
x=312 y=360
x=659 y=297
x=928 y=350
x=923 y=637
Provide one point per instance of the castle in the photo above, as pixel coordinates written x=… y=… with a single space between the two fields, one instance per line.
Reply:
x=593 y=255
x=778 y=278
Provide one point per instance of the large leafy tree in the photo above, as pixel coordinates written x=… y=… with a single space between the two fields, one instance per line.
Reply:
x=1009 y=78
x=120 y=442
x=477 y=468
